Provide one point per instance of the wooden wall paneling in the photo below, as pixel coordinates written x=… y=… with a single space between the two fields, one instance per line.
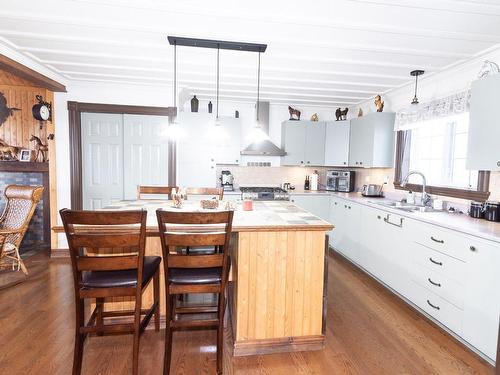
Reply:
x=51 y=129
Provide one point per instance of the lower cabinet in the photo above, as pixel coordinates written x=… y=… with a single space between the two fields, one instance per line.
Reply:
x=452 y=277
x=317 y=204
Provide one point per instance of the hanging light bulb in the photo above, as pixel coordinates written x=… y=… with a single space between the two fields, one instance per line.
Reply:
x=257 y=134
x=416 y=74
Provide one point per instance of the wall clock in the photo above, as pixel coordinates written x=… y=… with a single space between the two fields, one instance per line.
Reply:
x=43 y=110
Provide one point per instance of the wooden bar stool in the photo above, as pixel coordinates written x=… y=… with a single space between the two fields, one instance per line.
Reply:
x=187 y=274
x=217 y=192
x=154 y=190
x=100 y=272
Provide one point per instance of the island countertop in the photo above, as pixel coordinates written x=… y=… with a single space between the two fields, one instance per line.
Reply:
x=265 y=216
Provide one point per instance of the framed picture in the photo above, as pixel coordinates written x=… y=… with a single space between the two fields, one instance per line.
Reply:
x=25 y=155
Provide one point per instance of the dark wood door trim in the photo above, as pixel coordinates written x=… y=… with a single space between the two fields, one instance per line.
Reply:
x=75 y=110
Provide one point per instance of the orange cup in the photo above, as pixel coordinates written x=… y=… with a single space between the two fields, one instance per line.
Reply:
x=247 y=205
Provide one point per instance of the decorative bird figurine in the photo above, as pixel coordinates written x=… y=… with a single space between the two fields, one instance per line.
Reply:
x=5 y=111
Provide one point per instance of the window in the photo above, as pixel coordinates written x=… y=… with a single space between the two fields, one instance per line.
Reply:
x=438 y=149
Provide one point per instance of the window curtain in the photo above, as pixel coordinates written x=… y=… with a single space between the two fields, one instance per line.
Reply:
x=418 y=115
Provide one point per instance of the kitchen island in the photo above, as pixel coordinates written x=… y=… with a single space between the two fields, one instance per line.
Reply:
x=277 y=287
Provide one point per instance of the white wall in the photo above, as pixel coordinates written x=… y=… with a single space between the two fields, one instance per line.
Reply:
x=161 y=96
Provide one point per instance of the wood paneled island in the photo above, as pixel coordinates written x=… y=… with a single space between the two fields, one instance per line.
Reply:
x=277 y=283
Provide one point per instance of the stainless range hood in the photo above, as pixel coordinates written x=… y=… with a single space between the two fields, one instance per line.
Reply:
x=264 y=147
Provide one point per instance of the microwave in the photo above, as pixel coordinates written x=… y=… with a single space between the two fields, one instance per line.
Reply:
x=341 y=180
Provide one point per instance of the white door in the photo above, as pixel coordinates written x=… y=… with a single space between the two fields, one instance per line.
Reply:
x=145 y=148
x=102 y=159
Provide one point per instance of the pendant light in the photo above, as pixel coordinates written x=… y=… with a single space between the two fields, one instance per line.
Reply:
x=416 y=74
x=258 y=135
x=217 y=122
x=174 y=131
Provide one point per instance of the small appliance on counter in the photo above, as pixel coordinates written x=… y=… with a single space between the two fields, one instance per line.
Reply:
x=342 y=181
x=492 y=211
x=227 y=181
x=372 y=190
x=314 y=181
x=264 y=193
x=476 y=210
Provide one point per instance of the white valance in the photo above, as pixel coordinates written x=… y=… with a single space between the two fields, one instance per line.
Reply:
x=449 y=106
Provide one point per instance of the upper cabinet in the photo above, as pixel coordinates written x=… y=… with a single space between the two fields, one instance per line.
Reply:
x=484 y=130
x=372 y=141
x=303 y=142
x=337 y=143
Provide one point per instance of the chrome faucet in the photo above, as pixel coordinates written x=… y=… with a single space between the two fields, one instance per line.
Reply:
x=426 y=198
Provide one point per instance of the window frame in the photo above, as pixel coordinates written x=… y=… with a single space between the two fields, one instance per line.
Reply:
x=480 y=194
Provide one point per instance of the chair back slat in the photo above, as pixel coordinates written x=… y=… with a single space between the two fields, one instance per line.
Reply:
x=218 y=192
x=154 y=190
x=105 y=240
x=195 y=239
x=107 y=263
x=196 y=218
x=195 y=261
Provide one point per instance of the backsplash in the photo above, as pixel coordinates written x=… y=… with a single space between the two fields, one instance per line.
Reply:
x=296 y=175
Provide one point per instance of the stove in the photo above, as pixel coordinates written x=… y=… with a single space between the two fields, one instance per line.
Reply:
x=264 y=193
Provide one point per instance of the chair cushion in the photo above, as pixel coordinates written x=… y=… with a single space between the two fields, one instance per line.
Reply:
x=194 y=275
x=122 y=278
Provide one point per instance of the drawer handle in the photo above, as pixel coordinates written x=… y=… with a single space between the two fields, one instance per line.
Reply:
x=400 y=225
x=433 y=306
x=436 y=262
x=436 y=240
x=433 y=283
x=472 y=248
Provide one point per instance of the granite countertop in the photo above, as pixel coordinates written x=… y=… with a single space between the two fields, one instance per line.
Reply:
x=455 y=221
x=266 y=216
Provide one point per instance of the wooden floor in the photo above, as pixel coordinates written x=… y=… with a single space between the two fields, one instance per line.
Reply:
x=369 y=332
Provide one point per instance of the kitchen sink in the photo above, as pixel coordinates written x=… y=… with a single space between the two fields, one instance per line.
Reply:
x=403 y=206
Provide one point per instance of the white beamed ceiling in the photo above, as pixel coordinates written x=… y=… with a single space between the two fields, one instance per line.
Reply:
x=321 y=52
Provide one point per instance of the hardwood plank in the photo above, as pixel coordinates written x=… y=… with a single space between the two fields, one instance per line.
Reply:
x=369 y=331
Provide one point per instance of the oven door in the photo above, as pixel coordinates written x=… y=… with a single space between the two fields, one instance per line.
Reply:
x=331 y=183
x=343 y=184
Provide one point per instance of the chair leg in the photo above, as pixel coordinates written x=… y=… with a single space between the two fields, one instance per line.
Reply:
x=79 y=338
x=220 y=332
x=168 y=335
x=99 y=318
x=137 y=335
x=156 y=291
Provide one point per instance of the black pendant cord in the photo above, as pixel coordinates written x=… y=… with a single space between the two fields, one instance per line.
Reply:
x=175 y=74
x=217 y=103
x=416 y=85
x=258 y=88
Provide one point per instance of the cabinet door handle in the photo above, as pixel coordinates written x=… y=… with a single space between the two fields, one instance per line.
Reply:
x=436 y=240
x=357 y=163
x=472 y=248
x=400 y=225
x=434 y=283
x=345 y=163
x=433 y=306
x=349 y=207
x=436 y=262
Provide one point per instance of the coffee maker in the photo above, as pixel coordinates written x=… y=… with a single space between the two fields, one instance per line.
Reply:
x=226 y=181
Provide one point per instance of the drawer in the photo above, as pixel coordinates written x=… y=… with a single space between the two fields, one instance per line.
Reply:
x=440 y=285
x=439 y=262
x=441 y=310
x=442 y=240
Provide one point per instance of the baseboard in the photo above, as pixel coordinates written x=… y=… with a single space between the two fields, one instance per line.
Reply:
x=279 y=345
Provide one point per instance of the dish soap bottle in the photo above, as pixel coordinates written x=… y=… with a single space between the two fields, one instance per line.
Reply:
x=307 y=183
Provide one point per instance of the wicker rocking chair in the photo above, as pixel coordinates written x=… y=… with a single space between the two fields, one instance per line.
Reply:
x=15 y=219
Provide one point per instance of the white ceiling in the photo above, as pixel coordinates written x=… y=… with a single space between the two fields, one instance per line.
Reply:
x=320 y=52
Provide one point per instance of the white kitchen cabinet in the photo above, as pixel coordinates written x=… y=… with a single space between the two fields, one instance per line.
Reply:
x=482 y=295
x=228 y=141
x=196 y=151
x=337 y=143
x=303 y=142
x=346 y=217
x=317 y=204
x=372 y=140
x=484 y=130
